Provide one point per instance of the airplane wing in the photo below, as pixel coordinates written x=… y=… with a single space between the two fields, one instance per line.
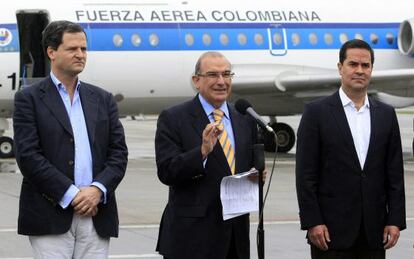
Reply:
x=394 y=87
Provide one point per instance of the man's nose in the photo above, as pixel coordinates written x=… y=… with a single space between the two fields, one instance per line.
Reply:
x=80 y=53
x=220 y=79
x=360 y=69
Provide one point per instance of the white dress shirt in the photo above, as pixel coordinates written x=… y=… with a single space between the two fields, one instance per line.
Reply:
x=359 y=122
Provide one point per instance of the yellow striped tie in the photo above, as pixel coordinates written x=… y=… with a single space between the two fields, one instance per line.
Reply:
x=225 y=141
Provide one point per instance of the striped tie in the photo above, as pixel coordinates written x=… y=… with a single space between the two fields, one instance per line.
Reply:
x=225 y=141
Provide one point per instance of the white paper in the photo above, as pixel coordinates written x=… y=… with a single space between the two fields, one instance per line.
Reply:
x=239 y=195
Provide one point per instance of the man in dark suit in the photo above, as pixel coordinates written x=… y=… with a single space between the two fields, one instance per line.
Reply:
x=192 y=160
x=349 y=167
x=70 y=148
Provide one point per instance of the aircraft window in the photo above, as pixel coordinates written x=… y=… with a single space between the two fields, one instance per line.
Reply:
x=277 y=38
x=206 y=39
x=189 y=39
x=242 y=39
x=224 y=39
x=343 y=37
x=136 y=40
x=295 y=39
x=390 y=38
x=374 y=38
x=154 y=40
x=328 y=38
x=117 y=40
x=358 y=36
x=313 y=38
x=258 y=39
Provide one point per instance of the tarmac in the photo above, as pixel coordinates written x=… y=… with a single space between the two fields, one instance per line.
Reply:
x=142 y=198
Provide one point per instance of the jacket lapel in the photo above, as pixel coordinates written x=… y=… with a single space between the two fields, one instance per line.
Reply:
x=342 y=122
x=200 y=121
x=51 y=98
x=375 y=125
x=199 y=117
x=90 y=105
x=236 y=122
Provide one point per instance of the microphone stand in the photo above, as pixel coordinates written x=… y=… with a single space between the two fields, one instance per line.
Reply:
x=259 y=164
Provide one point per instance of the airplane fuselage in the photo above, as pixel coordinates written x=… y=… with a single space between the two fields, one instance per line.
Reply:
x=144 y=53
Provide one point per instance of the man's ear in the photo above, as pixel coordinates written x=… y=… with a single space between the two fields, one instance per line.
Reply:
x=195 y=80
x=50 y=53
x=339 y=65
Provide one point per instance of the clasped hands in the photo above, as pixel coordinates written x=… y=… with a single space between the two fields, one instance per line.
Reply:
x=86 y=201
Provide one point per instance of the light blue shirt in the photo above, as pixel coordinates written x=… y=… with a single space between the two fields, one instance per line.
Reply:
x=208 y=109
x=83 y=155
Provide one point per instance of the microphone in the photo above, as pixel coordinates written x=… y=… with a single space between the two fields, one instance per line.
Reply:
x=258 y=157
x=244 y=107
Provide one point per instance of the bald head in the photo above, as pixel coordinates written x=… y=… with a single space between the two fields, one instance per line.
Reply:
x=208 y=54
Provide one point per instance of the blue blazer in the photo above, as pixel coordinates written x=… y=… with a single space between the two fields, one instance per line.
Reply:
x=192 y=224
x=332 y=187
x=44 y=145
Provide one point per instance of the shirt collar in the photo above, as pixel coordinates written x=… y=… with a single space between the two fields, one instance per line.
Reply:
x=346 y=101
x=59 y=84
x=208 y=108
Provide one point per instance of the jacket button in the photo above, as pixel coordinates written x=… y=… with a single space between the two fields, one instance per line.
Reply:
x=70 y=162
x=364 y=175
x=71 y=139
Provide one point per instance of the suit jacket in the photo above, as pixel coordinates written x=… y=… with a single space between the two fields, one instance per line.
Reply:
x=332 y=187
x=44 y=145
x=192 y=224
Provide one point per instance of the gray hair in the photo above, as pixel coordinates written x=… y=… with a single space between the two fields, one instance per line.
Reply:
x=214 y=54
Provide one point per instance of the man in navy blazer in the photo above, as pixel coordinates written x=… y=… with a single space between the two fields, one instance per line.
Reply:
x=191 y=161
x=349 y=167
x=71 y=151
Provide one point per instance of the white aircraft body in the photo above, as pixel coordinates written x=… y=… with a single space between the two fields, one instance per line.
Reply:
x=284 y=53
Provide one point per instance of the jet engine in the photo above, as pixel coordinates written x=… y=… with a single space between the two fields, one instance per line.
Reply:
x=406 y=37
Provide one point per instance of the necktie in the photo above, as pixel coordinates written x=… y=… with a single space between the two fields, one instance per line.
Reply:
x=225 y=141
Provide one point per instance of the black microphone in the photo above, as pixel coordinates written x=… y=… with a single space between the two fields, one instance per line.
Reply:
x=258 y=157
x=244 y=107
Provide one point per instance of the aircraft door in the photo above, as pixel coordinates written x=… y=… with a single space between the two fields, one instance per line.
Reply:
x=277 y=41
x=33 y=64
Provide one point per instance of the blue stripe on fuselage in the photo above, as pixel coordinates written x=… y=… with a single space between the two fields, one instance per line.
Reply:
x=173 y=36
x=237 y=25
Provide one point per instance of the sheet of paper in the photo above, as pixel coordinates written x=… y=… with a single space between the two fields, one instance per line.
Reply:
x=239 y=195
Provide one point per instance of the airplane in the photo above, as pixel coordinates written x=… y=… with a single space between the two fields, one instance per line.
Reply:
x=284 y=53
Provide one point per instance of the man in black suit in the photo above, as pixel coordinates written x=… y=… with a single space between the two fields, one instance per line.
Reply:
x=70 y=148
x=191 y=161
x=349 y=167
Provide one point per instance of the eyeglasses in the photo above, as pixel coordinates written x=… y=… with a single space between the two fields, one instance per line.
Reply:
x=216 y=75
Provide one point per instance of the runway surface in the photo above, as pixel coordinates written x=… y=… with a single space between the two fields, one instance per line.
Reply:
x=141 y=200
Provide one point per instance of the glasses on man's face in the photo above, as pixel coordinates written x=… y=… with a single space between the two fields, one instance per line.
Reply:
x=216 y=75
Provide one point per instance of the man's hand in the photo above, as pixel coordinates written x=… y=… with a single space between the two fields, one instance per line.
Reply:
x=210 y=136
x=255 y=177
x=86 y=201
x=391 y=235
x=319 y=236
